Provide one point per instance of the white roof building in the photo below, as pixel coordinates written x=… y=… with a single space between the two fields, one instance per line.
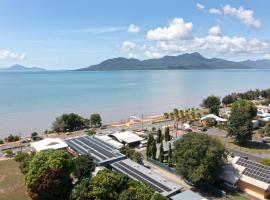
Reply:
x=212 y=116
x=111 y=141
x=127 y=137
x=48 y=143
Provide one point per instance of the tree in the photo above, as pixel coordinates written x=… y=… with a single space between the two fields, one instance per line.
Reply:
x=158 y=196
x=24 y=159
x=212 y=103
x=170 y=162
x=161 y=153
x=68 y=122
x=108 y=185
x=95 y=120
x=48 y=176
x=12 y=138
x=199 y=157
x=167 y=135
x=84 y=166
x=91 y=132
x=229 y=99
x=81 y=190
x=166 y=115
x=1 y=141
x=154 y=150
x=132 y=154
x=33 y=135
x=8 y=152
x=265 y=131
x=159 y=136
x=150 y=140
x=240 y=121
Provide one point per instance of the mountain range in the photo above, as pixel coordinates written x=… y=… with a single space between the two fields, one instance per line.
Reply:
x=21 y=68
x=182 y=62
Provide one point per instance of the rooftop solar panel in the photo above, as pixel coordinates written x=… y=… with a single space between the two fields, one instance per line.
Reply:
x=255 y=170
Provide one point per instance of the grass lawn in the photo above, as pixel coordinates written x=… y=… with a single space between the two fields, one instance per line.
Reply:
x=235 y=196
x=227 y=142
x=11 y=181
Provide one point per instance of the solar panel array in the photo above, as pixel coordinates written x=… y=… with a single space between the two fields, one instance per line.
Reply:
x=255 y=170
x=100 y=150
x=143 y=174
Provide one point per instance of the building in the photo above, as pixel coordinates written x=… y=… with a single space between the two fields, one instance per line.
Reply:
x=103 y=152
x=187 y=195
x=143 y=174
x=216 y=118
x=127 y=137
x=248 y=176
x=111 y=141
x=48 y=143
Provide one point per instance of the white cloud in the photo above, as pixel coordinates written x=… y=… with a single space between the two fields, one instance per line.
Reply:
x=267 y=56
x=200 y=7
x=133 y=29
x=8 y=55
x=177 y=29
x=246 y=16
x=151 y=54
x=132 y=55
x=215 y=31
x=129 y=46
x=93 y=30
x=214 y=11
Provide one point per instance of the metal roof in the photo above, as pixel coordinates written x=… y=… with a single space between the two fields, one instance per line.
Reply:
x=141 y=173
x=49 y=143
x=101 y=151
x=187 y=195
x=127 y=137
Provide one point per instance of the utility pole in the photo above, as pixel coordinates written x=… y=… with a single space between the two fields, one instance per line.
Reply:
x=20 y=135
x=142 y=122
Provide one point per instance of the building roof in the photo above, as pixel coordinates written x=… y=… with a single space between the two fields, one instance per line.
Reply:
x=49 y=143
x=141 y=173
x=187 y=195
x=218 y=119
x=108 y=139
x=102 y=151
x=250 y=172
x=127 y=137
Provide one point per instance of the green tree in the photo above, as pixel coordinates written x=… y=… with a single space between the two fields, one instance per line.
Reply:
x=84 y=166
x=48 y=176
x=229 y=99
x=132 y=154
x=166 y=115
x=212 y=103
x=81 y=190
x=95 y=120
x=8 y=152
x=91 y=132
x=159 y=136
x=170 y=162
x=199 y=157
x=154 y=150
x=150 y=140
x=68 y=122
x=240 y=121
x=158 y=196
x=167 y=135
x=1 y=141
x=161 y=153
x=34 y=134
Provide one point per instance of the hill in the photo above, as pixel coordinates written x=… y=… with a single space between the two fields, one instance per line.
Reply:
x=184 y=61
x=21 y=68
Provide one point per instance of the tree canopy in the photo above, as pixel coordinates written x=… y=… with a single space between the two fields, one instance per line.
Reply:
x=240 y=121
x=68 y=122
x=95 y=120
x=212 y=103
x=48 y=176
x=84 y=166
x=199 y=157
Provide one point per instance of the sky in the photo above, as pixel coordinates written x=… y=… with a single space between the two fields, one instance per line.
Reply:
x=70 y=34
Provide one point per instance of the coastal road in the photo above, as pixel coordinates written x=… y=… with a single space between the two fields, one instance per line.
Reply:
x=252 y=157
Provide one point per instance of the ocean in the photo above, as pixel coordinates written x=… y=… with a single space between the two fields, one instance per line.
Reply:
x=30 y=101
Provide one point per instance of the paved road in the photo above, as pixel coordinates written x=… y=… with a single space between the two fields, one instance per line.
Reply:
x=250 y=156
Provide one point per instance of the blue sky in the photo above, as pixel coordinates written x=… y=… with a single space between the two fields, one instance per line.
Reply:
x=71 y=34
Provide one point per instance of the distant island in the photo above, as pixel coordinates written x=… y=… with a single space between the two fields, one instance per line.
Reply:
x=21 y=68
x=188 y=61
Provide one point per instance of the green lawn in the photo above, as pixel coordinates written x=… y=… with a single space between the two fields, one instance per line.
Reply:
x=235 y=196
x=11 y=181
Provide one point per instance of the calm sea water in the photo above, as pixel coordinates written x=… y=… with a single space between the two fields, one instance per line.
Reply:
x=30 y=101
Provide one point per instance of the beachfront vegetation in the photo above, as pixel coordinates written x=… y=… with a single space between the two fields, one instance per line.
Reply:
x=132 y=154
x=229 y=99
x=240 y=121
x=12 y=138
x=68 y=122
x=95 y=120
x=212 y=103
x=84 y=165
x=199 y=157
x=48 y=176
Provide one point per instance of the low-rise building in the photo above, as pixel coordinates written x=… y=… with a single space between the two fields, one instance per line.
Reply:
x=48 y=143
x=248 y=176
x=187 y=195
x=127 y=137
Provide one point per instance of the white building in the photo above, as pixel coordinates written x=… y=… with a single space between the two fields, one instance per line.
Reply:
x=48 y=143
x=127 y=137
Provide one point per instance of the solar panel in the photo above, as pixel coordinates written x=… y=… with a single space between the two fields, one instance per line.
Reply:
x=255 y=170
